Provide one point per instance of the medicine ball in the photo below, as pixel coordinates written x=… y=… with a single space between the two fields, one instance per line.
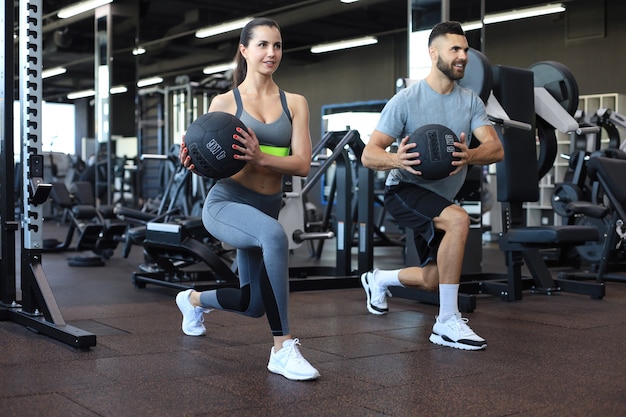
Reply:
x=435 y=143
x=209 y=140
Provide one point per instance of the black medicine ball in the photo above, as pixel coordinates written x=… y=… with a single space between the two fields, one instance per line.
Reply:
x=209 y=140
x=435 y=143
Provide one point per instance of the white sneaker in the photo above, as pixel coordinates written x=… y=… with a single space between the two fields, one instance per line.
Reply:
x=376 y=295
x=193 y=317
x=455 y=333
x=289 y=362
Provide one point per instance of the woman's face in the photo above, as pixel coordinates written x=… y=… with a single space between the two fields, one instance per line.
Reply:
x=264 y=51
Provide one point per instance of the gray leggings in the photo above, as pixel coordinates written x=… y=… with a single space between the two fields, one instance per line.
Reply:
x=247 y=221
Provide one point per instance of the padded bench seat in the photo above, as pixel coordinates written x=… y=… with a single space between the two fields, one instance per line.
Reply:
x=552 y=235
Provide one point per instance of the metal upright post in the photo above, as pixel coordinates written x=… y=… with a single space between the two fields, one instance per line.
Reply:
x=38 y=309
x=8 y=224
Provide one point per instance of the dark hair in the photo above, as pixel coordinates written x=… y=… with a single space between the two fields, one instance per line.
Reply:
x=444 y=28
x=239 y=74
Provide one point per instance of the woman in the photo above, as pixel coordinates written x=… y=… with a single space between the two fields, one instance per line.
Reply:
x=242 y=210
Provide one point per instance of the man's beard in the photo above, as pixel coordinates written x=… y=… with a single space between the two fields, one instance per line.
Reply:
x=448 y=70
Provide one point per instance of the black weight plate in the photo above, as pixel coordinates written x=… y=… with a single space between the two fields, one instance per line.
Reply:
x=591 y=251
x=564 y=194
x=478 y=74
x=557 y=79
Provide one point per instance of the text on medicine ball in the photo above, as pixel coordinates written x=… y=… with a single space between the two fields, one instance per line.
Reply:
x=216 y=149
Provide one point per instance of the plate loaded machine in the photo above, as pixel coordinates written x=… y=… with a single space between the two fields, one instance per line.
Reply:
x=38 y=309
x=351 y=196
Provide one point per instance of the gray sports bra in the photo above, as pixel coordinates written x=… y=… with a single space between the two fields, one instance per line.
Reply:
x=275 y=137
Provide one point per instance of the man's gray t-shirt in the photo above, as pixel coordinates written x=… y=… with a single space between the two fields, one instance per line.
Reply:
x=417 y=105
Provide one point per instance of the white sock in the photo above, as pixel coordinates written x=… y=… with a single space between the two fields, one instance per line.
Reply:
x=448 y=301
x=387 y=278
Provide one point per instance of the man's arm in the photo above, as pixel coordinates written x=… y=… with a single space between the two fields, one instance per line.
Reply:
x=490 y=149
x=376 y=157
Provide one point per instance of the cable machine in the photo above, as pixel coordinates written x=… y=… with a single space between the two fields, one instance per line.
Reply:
x=38 y=309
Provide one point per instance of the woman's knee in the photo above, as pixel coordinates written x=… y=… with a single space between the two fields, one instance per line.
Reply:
x=275 y=236
x=255 y=312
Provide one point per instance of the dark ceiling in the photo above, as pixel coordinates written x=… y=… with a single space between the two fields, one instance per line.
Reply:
x=166 y=29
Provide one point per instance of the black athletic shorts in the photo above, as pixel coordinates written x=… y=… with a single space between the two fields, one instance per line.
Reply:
x=414 y=208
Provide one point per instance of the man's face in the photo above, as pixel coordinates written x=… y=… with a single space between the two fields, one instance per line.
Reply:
x=451 y=55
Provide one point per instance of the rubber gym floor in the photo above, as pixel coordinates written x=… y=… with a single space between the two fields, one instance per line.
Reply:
x=558 y=355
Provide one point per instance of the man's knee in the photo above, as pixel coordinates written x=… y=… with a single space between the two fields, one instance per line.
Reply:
x=454 y=218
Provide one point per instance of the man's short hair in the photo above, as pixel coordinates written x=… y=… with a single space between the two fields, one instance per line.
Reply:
x=444 y=28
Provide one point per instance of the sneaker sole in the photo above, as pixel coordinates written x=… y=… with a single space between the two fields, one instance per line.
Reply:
x=438 y=340
x=372 y=309
x=280 y=371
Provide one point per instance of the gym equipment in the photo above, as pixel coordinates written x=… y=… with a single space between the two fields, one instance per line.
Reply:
x=38 y=309
x=351 y=210
x=608 y=172
x=184 y=255
x=210 y=141
x=519 y=242
x=435 y=143
x=175 y=200
x=559 y=82
x=556 y=102
x=582 y=201
x=94 y=232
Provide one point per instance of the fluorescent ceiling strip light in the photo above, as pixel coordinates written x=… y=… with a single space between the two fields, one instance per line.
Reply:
x=81 y=7
x=222 y=28
x=52 y=72
x=523 y=13
x=349 y=1
x=81 y=94
x=90 y=93
x=118 y=89
x=149 y=81
x=349 y=43
x=514 y=15
x=212 y=69
x=471 y=26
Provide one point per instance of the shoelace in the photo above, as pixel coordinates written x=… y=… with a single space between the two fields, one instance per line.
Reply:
x=461 y=325
x=293 y=351
x=199 y=314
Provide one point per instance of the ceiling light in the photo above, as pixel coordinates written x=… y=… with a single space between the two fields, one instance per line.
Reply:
x=524 y=13
x=349 y=1
x=52 y=72
x=149 y=81
x=90 y=93
x=212 y=69
x=349 y=43
x=140 y=50
x=222 y=28
x=118 y=89
x=514 y=15
x=81 y=94
x=81 y=7
x=467 y=26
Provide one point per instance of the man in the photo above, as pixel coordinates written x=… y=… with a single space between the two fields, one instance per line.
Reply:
x=426 y=206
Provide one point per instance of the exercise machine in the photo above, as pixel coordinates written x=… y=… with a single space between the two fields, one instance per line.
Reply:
x=350 y=186
x=37 y=309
